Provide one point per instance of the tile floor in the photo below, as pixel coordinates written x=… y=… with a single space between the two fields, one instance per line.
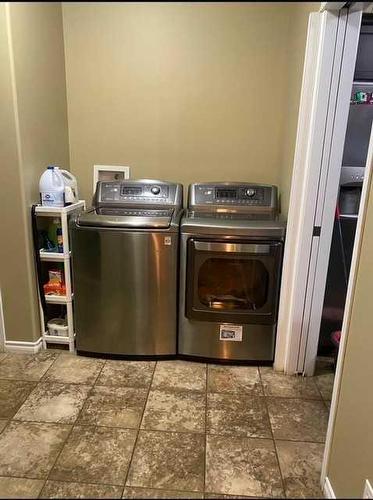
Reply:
x=76 y=427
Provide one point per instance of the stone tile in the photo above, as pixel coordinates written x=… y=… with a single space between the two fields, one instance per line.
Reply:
x=222 y=378
x=298 y=419
x=237 y=414
x=12 y=394
x=300 y=465
x=220 y=496
x=15 y=487
x=168 y=460
x=287 y=386
x=155 y=493
x=95 y=455
x=180 y=375
x=52 y=402
x=71 y=369
x=61 y=489
x=30 y=449
x=2 y=356
x=29 y=367
x=242 y=466
x=127 y=373
x=3 y=423
x=325 y=383
x=114 y=407
x=168 y=410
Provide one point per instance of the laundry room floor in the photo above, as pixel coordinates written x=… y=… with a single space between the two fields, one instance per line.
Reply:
x=82 y=427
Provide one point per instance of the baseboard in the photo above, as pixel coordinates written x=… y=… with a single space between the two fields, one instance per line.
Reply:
x=26 y=347
x=328 y=490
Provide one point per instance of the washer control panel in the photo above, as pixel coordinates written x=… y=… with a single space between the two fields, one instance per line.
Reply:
x=137 y=192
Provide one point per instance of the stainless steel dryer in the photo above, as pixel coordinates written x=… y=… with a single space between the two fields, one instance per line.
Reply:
x=231 y=257
x=125 y=269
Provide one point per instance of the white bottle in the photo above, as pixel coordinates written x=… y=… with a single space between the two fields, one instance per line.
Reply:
x=52 y=188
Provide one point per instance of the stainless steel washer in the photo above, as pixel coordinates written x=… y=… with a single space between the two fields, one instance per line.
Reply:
x=125 y=269
x=230 y=267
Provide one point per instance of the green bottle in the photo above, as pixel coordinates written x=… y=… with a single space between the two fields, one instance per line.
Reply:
x=54 y=231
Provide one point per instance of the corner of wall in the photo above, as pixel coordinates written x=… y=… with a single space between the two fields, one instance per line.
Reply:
x=30 y=145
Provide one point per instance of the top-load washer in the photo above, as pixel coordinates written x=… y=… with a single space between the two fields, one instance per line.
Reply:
x=230 y=267
x=125 y=269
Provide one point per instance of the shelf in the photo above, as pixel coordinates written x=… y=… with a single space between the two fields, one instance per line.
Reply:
x=355 y=103
x=53 y=256
x=58 y=299
x=362 y=83
x=45 y=255
x=55 y=211
x=349 y=216
x=57 y=339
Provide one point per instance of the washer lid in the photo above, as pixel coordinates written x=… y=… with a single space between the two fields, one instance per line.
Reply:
x=126 y=217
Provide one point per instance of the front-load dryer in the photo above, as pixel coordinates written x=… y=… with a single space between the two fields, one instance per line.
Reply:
x=230 y=268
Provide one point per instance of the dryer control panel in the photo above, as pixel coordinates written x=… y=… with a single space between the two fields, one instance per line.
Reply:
x=233 y=196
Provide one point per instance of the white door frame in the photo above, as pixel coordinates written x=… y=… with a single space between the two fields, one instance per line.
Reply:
x=327 y=80
x=329 y=181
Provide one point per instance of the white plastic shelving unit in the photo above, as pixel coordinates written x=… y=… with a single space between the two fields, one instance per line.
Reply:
x=64 y=257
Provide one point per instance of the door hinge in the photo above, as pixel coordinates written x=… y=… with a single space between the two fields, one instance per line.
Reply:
x=316 y=230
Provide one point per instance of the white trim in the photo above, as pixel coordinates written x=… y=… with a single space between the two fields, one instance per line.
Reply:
x=368 y=490
x=348 y=306
x=25 y=347
x=2 y=324
x=321 y=38
x=327 y=489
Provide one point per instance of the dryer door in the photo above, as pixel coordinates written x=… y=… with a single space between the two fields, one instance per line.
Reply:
x=233 y=281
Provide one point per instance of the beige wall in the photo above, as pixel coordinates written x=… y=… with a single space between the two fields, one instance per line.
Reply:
x=14 y=271
x=33 y=134
x=39 y=62
x=184 y=92
x=351 y=459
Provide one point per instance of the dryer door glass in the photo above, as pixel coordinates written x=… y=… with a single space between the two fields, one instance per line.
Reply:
x=233 y=284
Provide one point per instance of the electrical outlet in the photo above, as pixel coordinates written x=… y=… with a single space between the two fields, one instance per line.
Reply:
x=368 y=490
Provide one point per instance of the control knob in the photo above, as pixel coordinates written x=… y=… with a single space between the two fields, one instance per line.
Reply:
x=250 y=192
x=155 y=189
